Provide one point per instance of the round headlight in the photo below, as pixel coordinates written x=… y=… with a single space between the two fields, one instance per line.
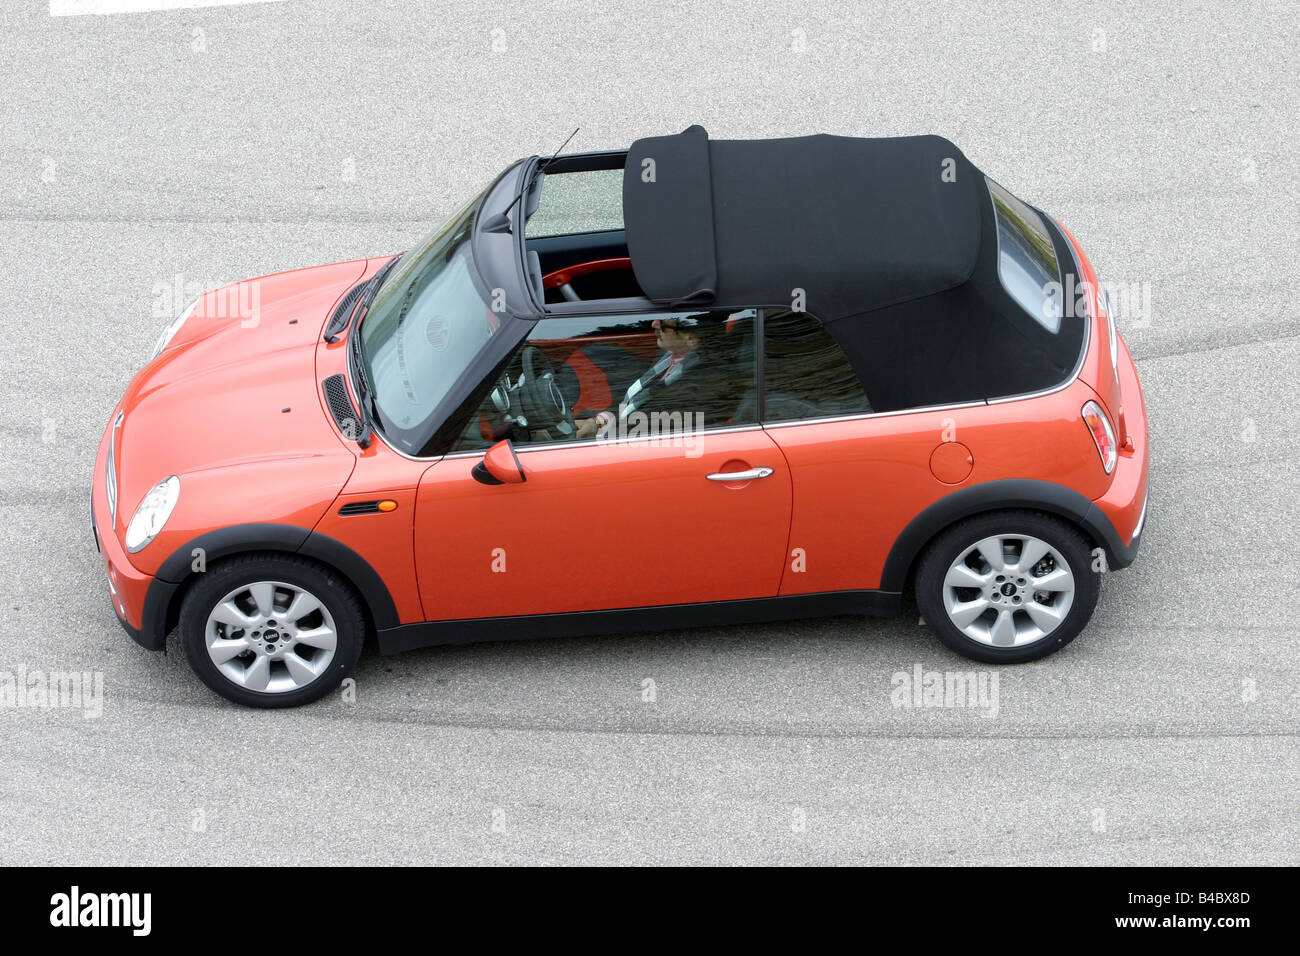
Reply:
x=153 y=513
x=172 y=328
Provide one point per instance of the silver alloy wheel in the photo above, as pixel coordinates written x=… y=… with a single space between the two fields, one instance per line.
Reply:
x=1008 y=590
x=271 y=637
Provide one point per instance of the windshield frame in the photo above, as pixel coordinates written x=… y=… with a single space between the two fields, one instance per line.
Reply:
x=424 y=439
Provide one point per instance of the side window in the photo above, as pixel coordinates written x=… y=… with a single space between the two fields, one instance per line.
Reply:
x=630 y=376
x=805 y=373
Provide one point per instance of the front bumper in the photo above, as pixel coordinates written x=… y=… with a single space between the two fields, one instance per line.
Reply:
x=128 y=588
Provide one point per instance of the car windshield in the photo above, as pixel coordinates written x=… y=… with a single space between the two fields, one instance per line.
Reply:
x=427 y=323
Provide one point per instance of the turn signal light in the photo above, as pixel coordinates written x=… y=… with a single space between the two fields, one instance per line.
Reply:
x=1102 y=434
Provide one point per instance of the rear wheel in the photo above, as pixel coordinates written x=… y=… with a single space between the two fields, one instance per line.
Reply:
x=1008 y=587
x=272 y=630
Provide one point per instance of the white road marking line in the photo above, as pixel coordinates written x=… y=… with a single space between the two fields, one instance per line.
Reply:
x=75 y=8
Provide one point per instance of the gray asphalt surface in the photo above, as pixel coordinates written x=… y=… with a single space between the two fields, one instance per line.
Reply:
x=222 y=143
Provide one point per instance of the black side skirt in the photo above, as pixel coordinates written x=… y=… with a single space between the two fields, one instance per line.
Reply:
x=405 y=637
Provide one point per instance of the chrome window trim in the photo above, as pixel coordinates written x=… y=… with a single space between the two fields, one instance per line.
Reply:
x=865 y=415
x=111 y=488
x=374 y=430
x=547 y=446
x=1112 y=334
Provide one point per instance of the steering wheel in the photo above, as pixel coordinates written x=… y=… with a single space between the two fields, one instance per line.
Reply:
x=540 y=399
x=560 y=279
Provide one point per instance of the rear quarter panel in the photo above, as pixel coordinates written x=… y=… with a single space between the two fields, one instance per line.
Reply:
x=858 y=482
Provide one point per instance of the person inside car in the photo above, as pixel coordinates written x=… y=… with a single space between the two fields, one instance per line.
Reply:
x=689 y=377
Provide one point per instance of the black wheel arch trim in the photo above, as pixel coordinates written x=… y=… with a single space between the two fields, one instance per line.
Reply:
x=160 y=611
x=997 y=496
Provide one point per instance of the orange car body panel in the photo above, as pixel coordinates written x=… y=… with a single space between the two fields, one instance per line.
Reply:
x=385 y=539
x=858 y=482
x=234 y=407
x=605 y=525
x=230 y=406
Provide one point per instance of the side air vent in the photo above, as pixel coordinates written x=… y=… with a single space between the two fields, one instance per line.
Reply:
x=368 y=507
x=343 y=312
x=340 y=406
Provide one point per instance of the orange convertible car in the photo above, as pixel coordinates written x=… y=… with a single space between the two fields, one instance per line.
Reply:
x=691 y=382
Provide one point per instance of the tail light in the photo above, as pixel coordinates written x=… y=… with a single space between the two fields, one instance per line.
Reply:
x=1102 y=434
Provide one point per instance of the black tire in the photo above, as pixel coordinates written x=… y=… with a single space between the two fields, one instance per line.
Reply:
x=961 y=537
x=326 y=585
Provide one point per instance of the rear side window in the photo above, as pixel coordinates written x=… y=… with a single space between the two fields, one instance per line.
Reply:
x=1027 y=262
x=805 y=373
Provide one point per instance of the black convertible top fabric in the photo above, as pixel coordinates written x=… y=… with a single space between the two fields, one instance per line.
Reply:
x=893 y=241
x=857 y=224
x=667 y=191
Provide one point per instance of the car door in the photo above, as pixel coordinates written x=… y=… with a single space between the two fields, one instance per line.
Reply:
x=617 y=522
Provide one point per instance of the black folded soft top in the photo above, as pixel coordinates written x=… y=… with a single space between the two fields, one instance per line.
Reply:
x=856 y=223
x=891 y=243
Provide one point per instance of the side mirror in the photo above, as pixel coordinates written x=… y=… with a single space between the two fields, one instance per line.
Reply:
x=499 y=466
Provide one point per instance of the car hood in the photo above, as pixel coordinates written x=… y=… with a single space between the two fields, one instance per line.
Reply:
x=236 y=387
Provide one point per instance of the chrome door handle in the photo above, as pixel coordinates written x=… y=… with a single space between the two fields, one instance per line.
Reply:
x=760 y=472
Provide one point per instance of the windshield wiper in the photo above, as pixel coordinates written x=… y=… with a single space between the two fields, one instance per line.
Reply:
x=360 y=379
x=361 y=383
x=365 y=291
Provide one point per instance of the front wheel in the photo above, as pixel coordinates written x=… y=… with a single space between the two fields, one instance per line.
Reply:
x=1008 y=587
x=271 y=630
